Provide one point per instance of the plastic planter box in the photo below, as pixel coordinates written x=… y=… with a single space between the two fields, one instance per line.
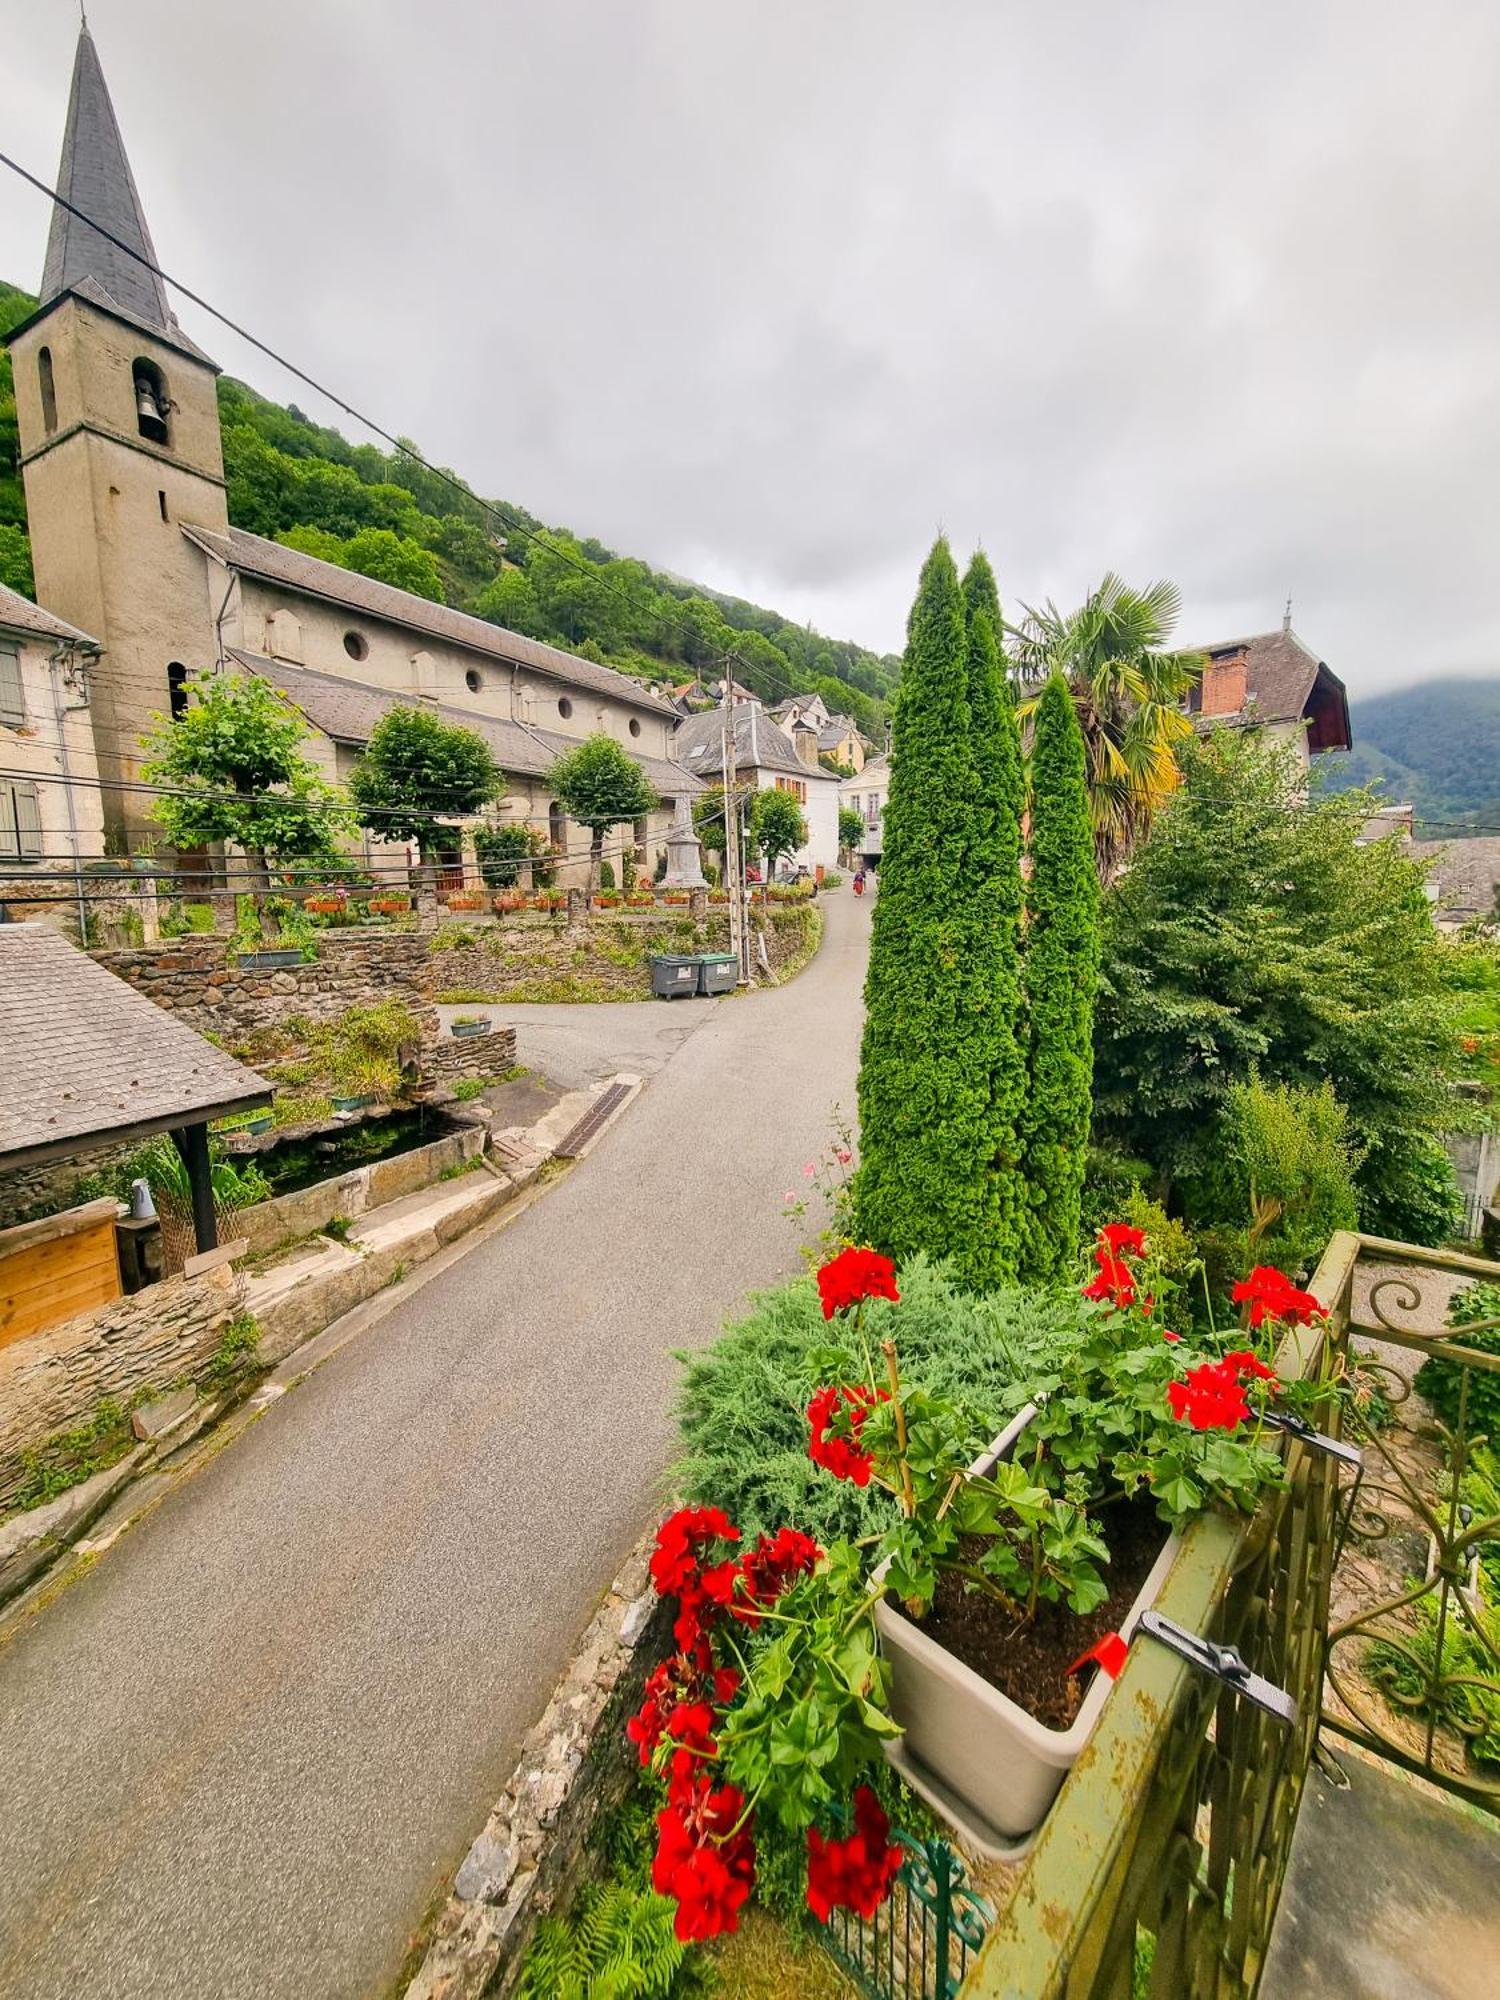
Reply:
x=718 y=972
x=673 y=978
x=986 y=1765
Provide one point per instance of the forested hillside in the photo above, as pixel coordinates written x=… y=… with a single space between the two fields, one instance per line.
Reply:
x=386 y=515
x=1437 y=744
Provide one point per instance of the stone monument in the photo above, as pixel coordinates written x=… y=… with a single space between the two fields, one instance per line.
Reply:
x=684 y=852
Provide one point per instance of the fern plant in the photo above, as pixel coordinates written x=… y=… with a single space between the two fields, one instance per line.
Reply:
x=616 y=1943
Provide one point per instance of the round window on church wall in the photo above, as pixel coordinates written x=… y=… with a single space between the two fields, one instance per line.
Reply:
x=472 y=681
x=356 y=645
x=565 y=708
x=635 y=727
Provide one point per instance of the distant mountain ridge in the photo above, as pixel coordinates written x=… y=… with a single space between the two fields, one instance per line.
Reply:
x=1436 y=744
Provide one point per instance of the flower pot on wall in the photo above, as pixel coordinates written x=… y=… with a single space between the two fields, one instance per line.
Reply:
x=269 y=961
x=467 y=1031
x=979 y=1759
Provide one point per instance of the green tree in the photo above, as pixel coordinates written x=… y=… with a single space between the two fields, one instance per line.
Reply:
x=237 y=771
x=1128 y=690
x=991 y=881
x=418 y=770
x=599 y=786
x=1061 y=975
x=851 y=828
x=395 y=559
x=777 y=828
x=708 y=814
x=926 y=1140
x=1252 y=933
x=15 y=559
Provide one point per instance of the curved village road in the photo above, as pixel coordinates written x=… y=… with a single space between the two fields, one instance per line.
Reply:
x=240 y=1756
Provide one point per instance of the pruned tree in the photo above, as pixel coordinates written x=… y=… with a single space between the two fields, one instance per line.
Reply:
x=851 y=829
x=233 y=768
x=1061 y=979
x=777 y=826
x=600 y=786
x=418 y=771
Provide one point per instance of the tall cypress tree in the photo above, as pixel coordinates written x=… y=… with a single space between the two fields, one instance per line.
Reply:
x=1061 y=975
x=924 y=1078
x=992 y=880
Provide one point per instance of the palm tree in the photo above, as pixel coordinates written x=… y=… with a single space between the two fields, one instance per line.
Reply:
x=1128 y=689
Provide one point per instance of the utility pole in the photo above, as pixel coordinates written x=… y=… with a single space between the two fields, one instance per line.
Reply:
x=734 y=859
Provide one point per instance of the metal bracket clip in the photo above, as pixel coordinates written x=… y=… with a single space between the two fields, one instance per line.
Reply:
x=1302 y=1430
x=1223 y=1662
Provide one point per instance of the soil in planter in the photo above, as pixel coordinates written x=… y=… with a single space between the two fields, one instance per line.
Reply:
x=1030 y=1665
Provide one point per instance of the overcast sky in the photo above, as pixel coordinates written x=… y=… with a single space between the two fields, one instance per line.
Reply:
x=768 y=293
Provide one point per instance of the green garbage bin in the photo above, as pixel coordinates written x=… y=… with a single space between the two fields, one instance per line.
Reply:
x=718 y=972
x=674 y=978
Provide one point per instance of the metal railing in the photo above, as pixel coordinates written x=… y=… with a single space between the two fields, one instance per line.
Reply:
x=919 y=1943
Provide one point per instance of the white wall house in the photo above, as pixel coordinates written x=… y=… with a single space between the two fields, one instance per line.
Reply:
x=867 y=792
x=51 y=816
x=766 y=756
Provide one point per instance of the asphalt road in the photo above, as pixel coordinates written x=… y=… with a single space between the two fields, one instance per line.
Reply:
x=241 y=1756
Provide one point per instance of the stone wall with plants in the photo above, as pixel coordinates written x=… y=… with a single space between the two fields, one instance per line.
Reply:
x=69 y=1389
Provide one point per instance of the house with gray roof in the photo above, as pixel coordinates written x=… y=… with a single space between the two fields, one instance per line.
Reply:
x=1276 y=684
x=51 y=813
x=763 y=756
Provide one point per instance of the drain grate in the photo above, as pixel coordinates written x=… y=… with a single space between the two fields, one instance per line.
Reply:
x=592 y=1120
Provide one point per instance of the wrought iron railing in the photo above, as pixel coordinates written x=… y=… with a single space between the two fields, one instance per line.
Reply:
x=1413 y=1654
x=919 y=1943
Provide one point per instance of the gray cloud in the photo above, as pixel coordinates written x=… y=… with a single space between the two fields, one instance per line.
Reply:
x=767 y=294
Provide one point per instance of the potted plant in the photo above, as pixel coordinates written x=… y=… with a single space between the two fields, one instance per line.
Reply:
x=390 y=906
x=608 y=901
x=465 y=899
x=509 y=901
x=466 y=1027
x=324 y=906
x=1026 y=1566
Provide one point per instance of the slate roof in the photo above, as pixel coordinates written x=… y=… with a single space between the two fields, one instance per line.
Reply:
x=1281 y=675
x=347 y=711
x=270 y=562
x=758 y=742
x=89 y=1058
x=94 y=174
x=1465 y=873
x=19 y=614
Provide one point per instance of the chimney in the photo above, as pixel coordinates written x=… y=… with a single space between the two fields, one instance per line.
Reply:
x=1224 y=684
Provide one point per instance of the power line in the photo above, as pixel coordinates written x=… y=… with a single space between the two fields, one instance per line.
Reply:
x=726 y=660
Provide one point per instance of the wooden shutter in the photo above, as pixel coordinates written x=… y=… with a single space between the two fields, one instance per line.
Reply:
x=12 y=707
x=10 y=844
x=28 y=823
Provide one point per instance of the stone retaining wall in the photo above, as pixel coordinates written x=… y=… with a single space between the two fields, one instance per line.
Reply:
x=575 y=1766
x=472 y=1055
x=355 y=1193
x=55 y=1380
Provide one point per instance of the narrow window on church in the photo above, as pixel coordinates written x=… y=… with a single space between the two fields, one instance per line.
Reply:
x=177 y=692
x=161 y=501
x=150 y=401
x=557 y=829
x=48 y=389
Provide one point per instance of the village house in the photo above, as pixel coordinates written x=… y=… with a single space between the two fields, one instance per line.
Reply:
x=46 y=740
x=765 y=755
x=867 y=793
x=1272 y=683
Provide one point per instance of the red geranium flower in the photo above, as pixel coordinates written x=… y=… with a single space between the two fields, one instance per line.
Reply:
x=1271 y=1294
x=857 y=1873
x=854 y=1275
x=1245 y=1362
x=1122 y=1239
x=1115 y=1281
x=1210 y=1398
x=674 y=1565
x=841 y=1455
x=705 y=1861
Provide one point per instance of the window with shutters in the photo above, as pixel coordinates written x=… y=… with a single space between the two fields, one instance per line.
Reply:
x=20 y=823
x=12 y=705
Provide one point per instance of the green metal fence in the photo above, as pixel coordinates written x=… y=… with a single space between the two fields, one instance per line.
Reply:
x=920 y=1942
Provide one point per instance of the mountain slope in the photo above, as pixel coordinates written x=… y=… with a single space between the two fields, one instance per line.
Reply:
x=384 y=514
x=1437 y=744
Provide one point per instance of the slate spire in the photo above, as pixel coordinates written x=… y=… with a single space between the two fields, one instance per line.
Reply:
x=95 y=176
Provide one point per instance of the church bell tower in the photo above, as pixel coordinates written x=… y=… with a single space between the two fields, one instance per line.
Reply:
x=119 y=432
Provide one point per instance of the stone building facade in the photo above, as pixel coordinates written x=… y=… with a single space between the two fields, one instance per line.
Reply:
x=47 y=823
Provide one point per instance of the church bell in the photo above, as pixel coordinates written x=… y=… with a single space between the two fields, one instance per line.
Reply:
x=150 y=418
